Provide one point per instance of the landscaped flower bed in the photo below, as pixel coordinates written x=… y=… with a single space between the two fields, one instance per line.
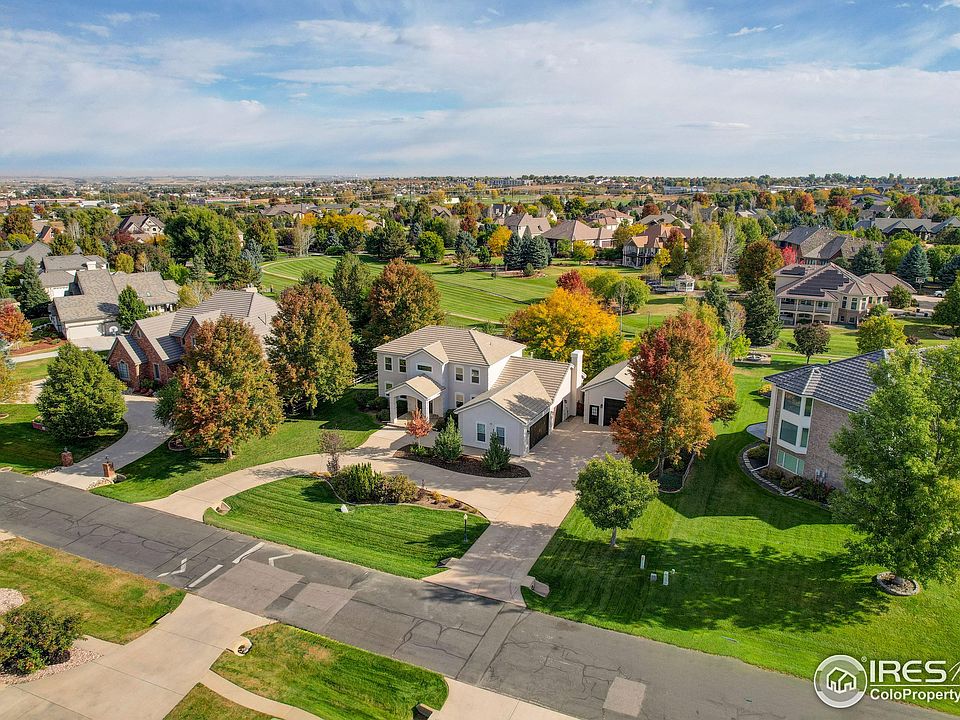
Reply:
x=465 y=464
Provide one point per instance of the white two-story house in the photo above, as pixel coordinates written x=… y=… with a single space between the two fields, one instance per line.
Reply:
x=484 y=379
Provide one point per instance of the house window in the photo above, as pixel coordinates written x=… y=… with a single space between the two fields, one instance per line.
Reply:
x=788 y=432
x=481 y=432
x=475 y=376
x=792 y=403
x=458 y=399
x=789 y=462
x=387 y=386
x=388 y=363
x=123 y=370
x=425 y=368
x=458 y=374
x=402 y=363
x=156 y=371
x=843 y=303
x=501 y=435
x=808 y=408
x=804 y=437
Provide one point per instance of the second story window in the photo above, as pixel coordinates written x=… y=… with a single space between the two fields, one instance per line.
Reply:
x=388 y=363
x=792 y=403
x=402 y=362
x=425 y=368
x=458 y=374
x=475 y=376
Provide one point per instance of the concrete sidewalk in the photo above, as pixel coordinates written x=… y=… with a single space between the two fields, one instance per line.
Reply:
x=466 y=702
x=144 y=433
x=143 y=679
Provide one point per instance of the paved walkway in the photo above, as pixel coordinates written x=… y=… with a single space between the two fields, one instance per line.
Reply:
x=144 y=433
x=566 y=666
x=143 y=679
x=524 y=513
x=467 y=702
x=224 y=688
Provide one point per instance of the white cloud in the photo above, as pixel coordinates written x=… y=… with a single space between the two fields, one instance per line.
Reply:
x=99 y=30
x=119 y=18
x=747 y=31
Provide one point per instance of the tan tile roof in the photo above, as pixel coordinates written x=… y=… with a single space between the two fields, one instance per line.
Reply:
x=525 y=388
x=620 y=372
x=421 y=384
x=459 y=344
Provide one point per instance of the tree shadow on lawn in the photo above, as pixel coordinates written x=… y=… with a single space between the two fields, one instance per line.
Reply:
x=714 y=586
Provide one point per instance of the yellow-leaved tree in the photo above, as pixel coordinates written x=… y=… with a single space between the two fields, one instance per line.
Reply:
x=498 y=240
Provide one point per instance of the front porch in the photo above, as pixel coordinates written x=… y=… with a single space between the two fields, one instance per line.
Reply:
x=419 y=393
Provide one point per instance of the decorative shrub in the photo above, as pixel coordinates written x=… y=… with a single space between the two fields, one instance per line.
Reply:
x=421 y=451
x=528 y=270
x=34 y=637
x=758 y=452
x=356 y=483
x=336 y=250
x=366 y=399
x=383 y=415
x=789 y=481
x=497 y=457
x=449 y=443
x=773 y=474
x=395 y=489
x=815 y=490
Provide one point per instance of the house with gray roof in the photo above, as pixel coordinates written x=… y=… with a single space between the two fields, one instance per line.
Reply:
x=574 y=230
x=526 y=225
x=484 y=379
x=72 y=263
x=830 y=294
x=808 y=406
x=924 y=228
x=819 y=245
x=89 y=308
x=36 y=250
x=154 y=347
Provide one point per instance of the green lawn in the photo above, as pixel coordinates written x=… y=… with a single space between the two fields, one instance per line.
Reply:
x=202 y=703
x=843 y=339
x=761 y=578
x=162 y=472
x=115 y=605
x=331 y=680
x=32 y=369
x=303 y=513
x=27 y=450
x=469 y=298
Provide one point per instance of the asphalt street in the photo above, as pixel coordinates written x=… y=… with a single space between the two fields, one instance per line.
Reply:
x=566 y=666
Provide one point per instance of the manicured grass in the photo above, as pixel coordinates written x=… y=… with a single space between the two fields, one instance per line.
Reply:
x=302 y=512
x=843 y=339
x=115 y=605
x=202 y=703
x=27 y=450
x=331 y=680
x=32 y=369
x=162 y=472
x=758 y=577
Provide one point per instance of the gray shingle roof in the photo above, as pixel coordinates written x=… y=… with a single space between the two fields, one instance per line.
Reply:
x=460 y=344
x=845 y=383
x=37 y=250
x=71 y=262
x=57 y=278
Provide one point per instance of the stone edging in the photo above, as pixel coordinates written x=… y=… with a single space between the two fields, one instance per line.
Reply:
x=756 y=476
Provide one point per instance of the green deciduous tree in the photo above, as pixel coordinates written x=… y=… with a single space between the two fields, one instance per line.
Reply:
x=947 y=311
x=880 y=332
x=760 y=259
x=901 y=455
x=19 y=221
x=80 y=395
x=201 y=231
x=350 y=283
x=309 y=346
x=763 y=322
x=900 y=297
x=811 y=339
x=612 y=494
x=130 y=308
x=430 y=246
x=123 y=262
x=11 y=387
x=402 y=299
x=894 y=253
x=227 y=393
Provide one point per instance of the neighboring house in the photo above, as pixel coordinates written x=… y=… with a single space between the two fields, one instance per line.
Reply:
x=605 y=395
x=643 y=248
x=830 y=294
x=819 y=245
x=141 y=227
x=526 y=225
x=36 y=250
x=45 y=233
x=89 y=307
x=664 y=219
x=484 y=379
x=609 y=218
x=439 y=211
x=71 y=263
x=573 y=230
x=291 y=210
x=924 y=228
x=154 y=346
x=808 y=406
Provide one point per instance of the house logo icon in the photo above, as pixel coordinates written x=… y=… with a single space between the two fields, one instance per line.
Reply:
x=840 y=681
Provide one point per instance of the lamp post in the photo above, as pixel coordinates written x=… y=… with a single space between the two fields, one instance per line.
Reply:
x=464 y=528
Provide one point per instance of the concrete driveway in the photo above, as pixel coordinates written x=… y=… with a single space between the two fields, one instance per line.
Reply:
x=144 y=433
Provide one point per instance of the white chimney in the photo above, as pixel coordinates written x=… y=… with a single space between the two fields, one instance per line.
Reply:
x=576 y=377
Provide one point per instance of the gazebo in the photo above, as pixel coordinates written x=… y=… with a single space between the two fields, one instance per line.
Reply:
x=685 y=283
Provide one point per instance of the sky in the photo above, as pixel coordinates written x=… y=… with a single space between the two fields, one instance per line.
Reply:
x=394 y=87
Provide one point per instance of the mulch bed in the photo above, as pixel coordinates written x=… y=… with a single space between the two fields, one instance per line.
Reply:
x=466 y=464
x=37 y=347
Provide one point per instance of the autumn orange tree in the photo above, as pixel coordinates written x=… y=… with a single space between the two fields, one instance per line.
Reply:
x=681 y=385
x=759 y=261
x=14 y=327
x=572 y=281
x=418 y=426
x=566 y=321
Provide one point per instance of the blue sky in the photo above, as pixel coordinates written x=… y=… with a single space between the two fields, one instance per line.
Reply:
x=369 y=87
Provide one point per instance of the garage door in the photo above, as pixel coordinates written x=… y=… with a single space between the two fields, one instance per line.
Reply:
x=539 y=430
x=611 y=408
x=558 y=415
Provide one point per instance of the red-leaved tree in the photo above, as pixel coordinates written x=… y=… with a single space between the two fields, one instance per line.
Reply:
x=418 y=426
x=789 y=254
x=14 y=327
x=573 y=281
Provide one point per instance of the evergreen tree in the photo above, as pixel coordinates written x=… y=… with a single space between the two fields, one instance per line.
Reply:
x=716 y=298
x=763 y=323
x=130 y=308
x=867 y=260
x=414 y=234
x=536 y=252
x=513 y=254
x=80 y=395
x=31 y=295
x=915 y=267
x=950 y=270
x=350 y=284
